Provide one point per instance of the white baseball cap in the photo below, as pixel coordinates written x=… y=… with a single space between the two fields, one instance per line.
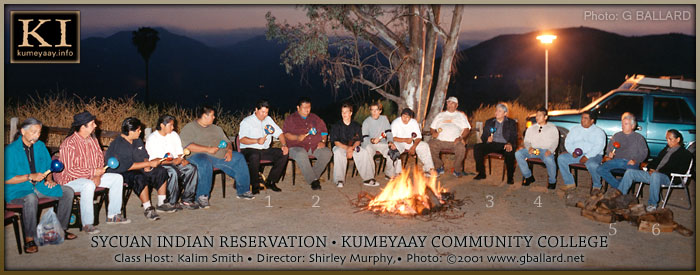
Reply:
x=453 y=99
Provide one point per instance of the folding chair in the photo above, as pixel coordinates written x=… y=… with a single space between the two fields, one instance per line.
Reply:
x=682 y=183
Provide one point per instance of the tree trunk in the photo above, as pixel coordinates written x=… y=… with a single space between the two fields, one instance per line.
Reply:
x=146 y=82
x=412 y=81
x=431 y=39
x=448 y=53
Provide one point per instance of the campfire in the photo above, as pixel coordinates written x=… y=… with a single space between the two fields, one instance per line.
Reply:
x=410 y=194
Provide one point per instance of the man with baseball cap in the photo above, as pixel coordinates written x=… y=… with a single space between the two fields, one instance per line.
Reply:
x=448 y=130
x=84 y=170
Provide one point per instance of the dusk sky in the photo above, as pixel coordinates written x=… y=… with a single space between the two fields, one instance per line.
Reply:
x=480 y=22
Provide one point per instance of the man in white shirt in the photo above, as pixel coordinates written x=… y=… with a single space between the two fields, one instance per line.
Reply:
x=448 y=130
x=541 y=141
x=407 y=137
x=181 y=173
x=255 y=133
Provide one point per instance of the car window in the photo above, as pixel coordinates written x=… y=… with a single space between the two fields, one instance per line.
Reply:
x=619 y=104
x=670 y=109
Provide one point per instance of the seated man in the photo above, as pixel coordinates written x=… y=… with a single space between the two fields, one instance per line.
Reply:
x=449 y=129
x=500 y=134
x=139 y=173
x=255 y=146
x=306 y=136
x=590 y=139
x=407 y=137
x=182 y=174
x=345 y=136
x=674 y=158
x=26 y=159
x=84 y=171
x=541 y=141
x=633 y=151
x=376 y=136
x=202 y=137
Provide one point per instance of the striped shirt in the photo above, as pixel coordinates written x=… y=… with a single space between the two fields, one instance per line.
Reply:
x=80 y=157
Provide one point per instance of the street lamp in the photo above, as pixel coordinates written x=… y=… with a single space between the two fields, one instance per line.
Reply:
x=546 y=40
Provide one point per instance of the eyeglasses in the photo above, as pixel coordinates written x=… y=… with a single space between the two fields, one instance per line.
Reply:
x=540 y=130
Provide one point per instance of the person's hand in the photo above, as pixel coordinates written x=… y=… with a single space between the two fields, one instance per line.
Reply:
x=374 y=140
x=651 y=171
x=508 y=147
x=184 y=162
x=285 y=150
x=303 y=137
x=547 y=153
x=212 y=150
x=392 y=146
x=412 y=151
x=611 y=155
x=262 y=140
x=96 y=180
x=435 y=134
x=490 y=139
x=50 y=183
x=348 y=153
x=631 y=162
x=154 y=163
x=228 y=156
x=36 y=177
x=530 y=151
x=321 y=144
x=99 y=172
x=458 y=140
x=583 y=160
x=178 y=161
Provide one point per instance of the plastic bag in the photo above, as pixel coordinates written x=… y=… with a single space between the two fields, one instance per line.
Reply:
x=49 y=230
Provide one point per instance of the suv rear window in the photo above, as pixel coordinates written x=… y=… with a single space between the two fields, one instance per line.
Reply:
x=617 y=105
x=675 y=110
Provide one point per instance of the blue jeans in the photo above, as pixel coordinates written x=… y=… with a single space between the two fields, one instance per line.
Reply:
x=605 y=170
x=592 y=164
x=655 y=180
x=549 y=162
x=236 y=168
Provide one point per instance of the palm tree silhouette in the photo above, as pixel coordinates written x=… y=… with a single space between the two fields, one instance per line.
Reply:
x=145 y=40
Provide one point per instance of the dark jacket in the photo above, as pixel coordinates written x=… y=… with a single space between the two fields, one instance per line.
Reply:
x=510 y=130
x=678 y=163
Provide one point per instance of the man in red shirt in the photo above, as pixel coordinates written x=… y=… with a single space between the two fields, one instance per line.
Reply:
x=306 y=135
x=84 y=170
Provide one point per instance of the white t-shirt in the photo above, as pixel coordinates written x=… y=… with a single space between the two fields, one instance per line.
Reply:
x=401 y=130
x=452 y=125
x=252 y=127
x=157 y=145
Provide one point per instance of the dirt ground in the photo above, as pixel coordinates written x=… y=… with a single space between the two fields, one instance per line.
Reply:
x=331 y=233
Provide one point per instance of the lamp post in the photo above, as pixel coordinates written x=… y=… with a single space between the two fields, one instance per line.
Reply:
x=546 y=40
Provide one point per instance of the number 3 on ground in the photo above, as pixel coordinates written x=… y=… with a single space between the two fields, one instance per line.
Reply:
x=489 y=199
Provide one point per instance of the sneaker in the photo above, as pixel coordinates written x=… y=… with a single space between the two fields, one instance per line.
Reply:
x=315 y=185
x=371 y=182
x=440 y=171
x=203 y=202
x=651 y=208
x=118 y=219
x=151 y=214
x=247 y=195
x=480 y=177
x=178 y=206
x=166 y=208
x=457 y=174
x=339 y=184
x=190 y=205
x=552 y=186
x=528 y=181
x=90 y=229
x=255 y=191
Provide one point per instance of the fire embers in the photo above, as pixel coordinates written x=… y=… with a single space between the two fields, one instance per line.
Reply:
x=410 y=194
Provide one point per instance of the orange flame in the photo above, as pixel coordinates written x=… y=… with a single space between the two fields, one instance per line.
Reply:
x=406 y=194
